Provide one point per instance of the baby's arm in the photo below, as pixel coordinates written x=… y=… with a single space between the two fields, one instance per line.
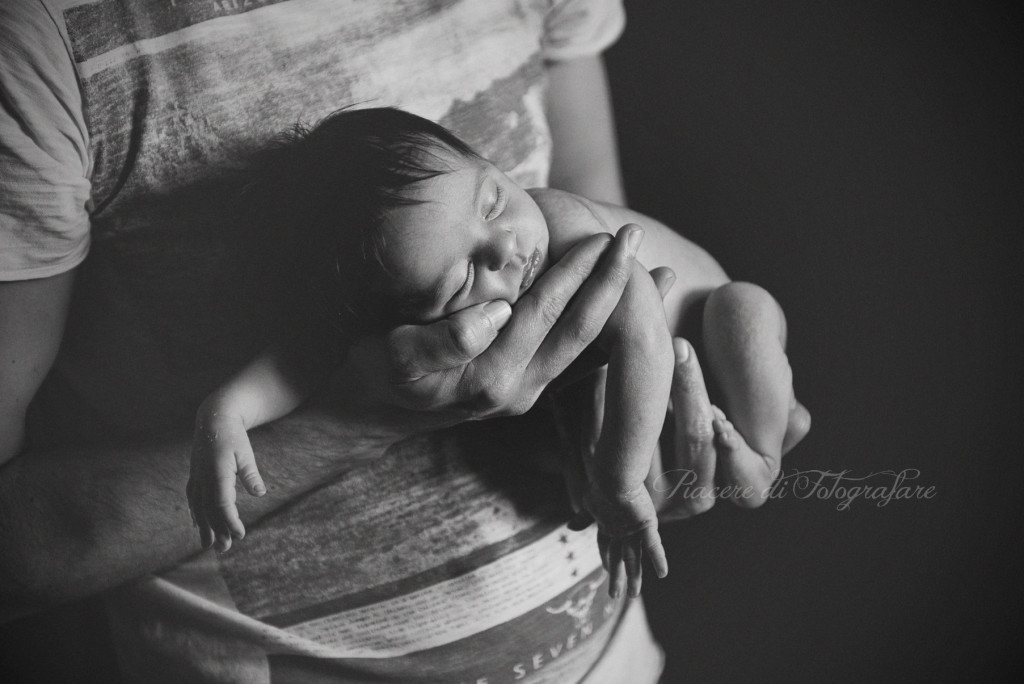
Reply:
x=697 y=273
x=637 y=340
x=271 y=386
x=636 y=398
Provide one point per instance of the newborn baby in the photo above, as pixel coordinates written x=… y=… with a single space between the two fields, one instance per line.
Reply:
x=399 y=221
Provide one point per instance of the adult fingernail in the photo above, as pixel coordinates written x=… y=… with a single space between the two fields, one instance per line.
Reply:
x=682 y=349
x=498 y=312
x=636 y=236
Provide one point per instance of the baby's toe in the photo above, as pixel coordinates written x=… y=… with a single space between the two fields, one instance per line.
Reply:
x=746 y=472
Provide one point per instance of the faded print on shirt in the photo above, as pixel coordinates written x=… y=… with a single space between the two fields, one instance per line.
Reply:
x=418 y=565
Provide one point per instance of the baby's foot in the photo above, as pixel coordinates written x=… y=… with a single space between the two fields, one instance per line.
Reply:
x=747 y=474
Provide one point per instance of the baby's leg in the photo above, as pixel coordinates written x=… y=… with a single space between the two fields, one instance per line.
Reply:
x=745 y=342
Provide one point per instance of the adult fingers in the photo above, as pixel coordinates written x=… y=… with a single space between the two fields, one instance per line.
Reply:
x=664 y=278
x=797 y=428
x=693 y=462
x=584 y=319
x=419 y=350
x=505 y=379
x=540 y=307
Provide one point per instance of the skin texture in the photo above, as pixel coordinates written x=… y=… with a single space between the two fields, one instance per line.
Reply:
x=75 y=521
x=112 y=513
x=469 y=240
x=472 y=236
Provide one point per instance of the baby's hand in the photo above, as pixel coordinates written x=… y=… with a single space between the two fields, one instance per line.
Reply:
x=627 y=527
x=220 y=453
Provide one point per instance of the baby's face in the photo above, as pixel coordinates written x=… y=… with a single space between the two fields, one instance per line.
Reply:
x=474 y=236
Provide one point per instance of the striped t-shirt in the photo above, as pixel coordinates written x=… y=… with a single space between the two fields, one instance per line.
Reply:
x=122 y=124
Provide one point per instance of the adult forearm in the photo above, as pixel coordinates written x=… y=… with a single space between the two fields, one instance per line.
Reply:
x=76 y=521
x=585 y=157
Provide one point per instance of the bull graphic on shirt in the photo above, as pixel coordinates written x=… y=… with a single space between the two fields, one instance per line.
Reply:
x=579 y=603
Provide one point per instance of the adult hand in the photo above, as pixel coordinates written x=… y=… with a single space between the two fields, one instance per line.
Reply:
x=490 y=360
x=682 y=482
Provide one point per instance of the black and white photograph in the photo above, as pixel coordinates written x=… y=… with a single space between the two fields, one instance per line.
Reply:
x=498 y=341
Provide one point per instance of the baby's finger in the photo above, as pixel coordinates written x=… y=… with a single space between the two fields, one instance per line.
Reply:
x=634 y=571
x=230 y=525
x=656 y=552
x=603 y=543
x=224 y=502
x=215 y=510
x=206 y=536
x=248 y=473
x=616 y=569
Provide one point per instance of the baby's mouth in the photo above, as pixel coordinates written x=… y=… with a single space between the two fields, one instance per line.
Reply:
x=530 y=270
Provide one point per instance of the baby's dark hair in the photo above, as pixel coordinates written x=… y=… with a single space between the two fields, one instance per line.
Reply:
x=321 y=195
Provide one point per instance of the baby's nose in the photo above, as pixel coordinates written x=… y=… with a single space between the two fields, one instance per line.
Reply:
x=501 y=249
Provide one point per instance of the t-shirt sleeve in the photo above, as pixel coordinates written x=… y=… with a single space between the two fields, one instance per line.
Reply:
x=580 y=28
x=44 y=185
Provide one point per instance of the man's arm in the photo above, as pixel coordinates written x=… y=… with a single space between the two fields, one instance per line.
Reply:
x=75 y=520
x=32 y=316
x=586 y=158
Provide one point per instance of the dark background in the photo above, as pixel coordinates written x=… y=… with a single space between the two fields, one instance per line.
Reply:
x=862 y=161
